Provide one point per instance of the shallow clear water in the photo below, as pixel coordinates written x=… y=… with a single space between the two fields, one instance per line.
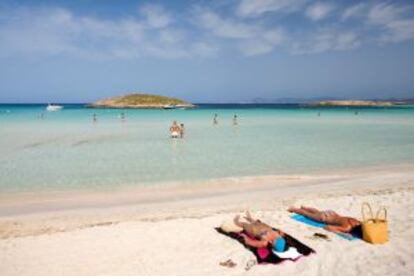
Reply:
x=65 y=150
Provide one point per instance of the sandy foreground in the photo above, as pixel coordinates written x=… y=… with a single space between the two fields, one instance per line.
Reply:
x=170 y=231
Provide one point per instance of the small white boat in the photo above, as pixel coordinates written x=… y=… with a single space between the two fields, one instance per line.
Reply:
x=170 y=106
x=53 y=107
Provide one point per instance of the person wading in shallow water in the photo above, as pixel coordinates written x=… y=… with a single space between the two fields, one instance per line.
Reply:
x=175 y=130
x=215 y=119
x=182 y=130
x=235 y=123
x=122 y=116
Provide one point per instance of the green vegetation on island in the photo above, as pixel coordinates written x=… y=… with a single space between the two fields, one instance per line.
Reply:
x=138 y=100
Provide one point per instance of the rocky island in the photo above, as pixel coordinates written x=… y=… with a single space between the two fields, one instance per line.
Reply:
x=138 y=100
x=354 y=103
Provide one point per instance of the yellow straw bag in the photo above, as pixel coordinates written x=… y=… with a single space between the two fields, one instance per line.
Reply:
x=374 y=230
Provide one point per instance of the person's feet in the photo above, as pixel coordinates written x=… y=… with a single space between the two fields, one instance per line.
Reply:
x=248 y=216
x=236 y=220
x=293 y=209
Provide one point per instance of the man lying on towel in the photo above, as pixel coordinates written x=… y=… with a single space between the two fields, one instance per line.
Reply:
x=262 y=233
x=334 y=222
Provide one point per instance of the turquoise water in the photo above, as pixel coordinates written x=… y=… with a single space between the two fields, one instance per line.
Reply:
x=65 y=150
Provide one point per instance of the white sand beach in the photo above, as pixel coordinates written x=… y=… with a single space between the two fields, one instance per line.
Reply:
x=133 y=132
x=172 y=231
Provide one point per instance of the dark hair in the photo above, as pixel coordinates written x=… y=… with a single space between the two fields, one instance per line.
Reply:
x=357 y=231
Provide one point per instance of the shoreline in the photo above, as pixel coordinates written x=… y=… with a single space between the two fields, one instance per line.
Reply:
x=26 y=203
x=39 y=214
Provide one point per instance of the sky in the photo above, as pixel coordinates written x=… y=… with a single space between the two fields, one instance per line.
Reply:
x=205 y=51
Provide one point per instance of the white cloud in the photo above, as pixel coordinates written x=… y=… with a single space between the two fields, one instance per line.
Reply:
x=274 y=36
x=319 y=10
x=399 y=30
x=395 y=21
x=383 y=13
x=254 y=48
x=155 y=16
x=354 y=11
x=171 y=36
x=40 y=33
x=255 y=8
x=323 y=40
x=252 y=39
x=227 y=28
x=346 y=40
x=202 y=49
x=57 y=31
x=263 y=43
x=203 y=31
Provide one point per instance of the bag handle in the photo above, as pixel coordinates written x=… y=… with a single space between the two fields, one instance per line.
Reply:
x=366 y=204
x=379 y=212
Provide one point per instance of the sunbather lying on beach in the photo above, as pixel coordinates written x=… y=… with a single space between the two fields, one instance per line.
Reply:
x=335 y=223
x=262 y=233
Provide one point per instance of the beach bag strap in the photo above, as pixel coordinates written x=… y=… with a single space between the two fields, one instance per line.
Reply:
x=365 y=206
x=379 y=213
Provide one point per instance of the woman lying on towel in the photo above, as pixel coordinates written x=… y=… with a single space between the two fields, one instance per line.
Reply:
x=258 y=234
x=335 y=223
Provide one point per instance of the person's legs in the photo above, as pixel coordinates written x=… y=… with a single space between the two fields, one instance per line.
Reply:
x=249 y=217
x=315 y=215
x=254 y=228
x=257 y=223
x=310 y=209
x=247 y=227
x=237 y=221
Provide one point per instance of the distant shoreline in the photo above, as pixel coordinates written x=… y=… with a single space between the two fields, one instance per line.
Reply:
x=357 y=103
x=299 y=104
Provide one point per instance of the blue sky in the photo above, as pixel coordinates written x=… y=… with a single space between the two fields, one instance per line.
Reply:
x=205 y=51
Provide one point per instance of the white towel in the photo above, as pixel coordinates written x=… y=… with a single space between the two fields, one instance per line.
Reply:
x=291 y=253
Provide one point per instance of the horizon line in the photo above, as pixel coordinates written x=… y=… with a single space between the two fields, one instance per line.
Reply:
x=275 y=101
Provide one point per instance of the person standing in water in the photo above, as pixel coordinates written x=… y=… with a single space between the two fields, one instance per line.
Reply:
x=175 y=130
x=215 y=119
x=235 y=123
x=182 y=130
x=122 y=117
x=94 y=118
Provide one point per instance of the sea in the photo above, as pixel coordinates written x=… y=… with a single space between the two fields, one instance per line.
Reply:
x=67 y=150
